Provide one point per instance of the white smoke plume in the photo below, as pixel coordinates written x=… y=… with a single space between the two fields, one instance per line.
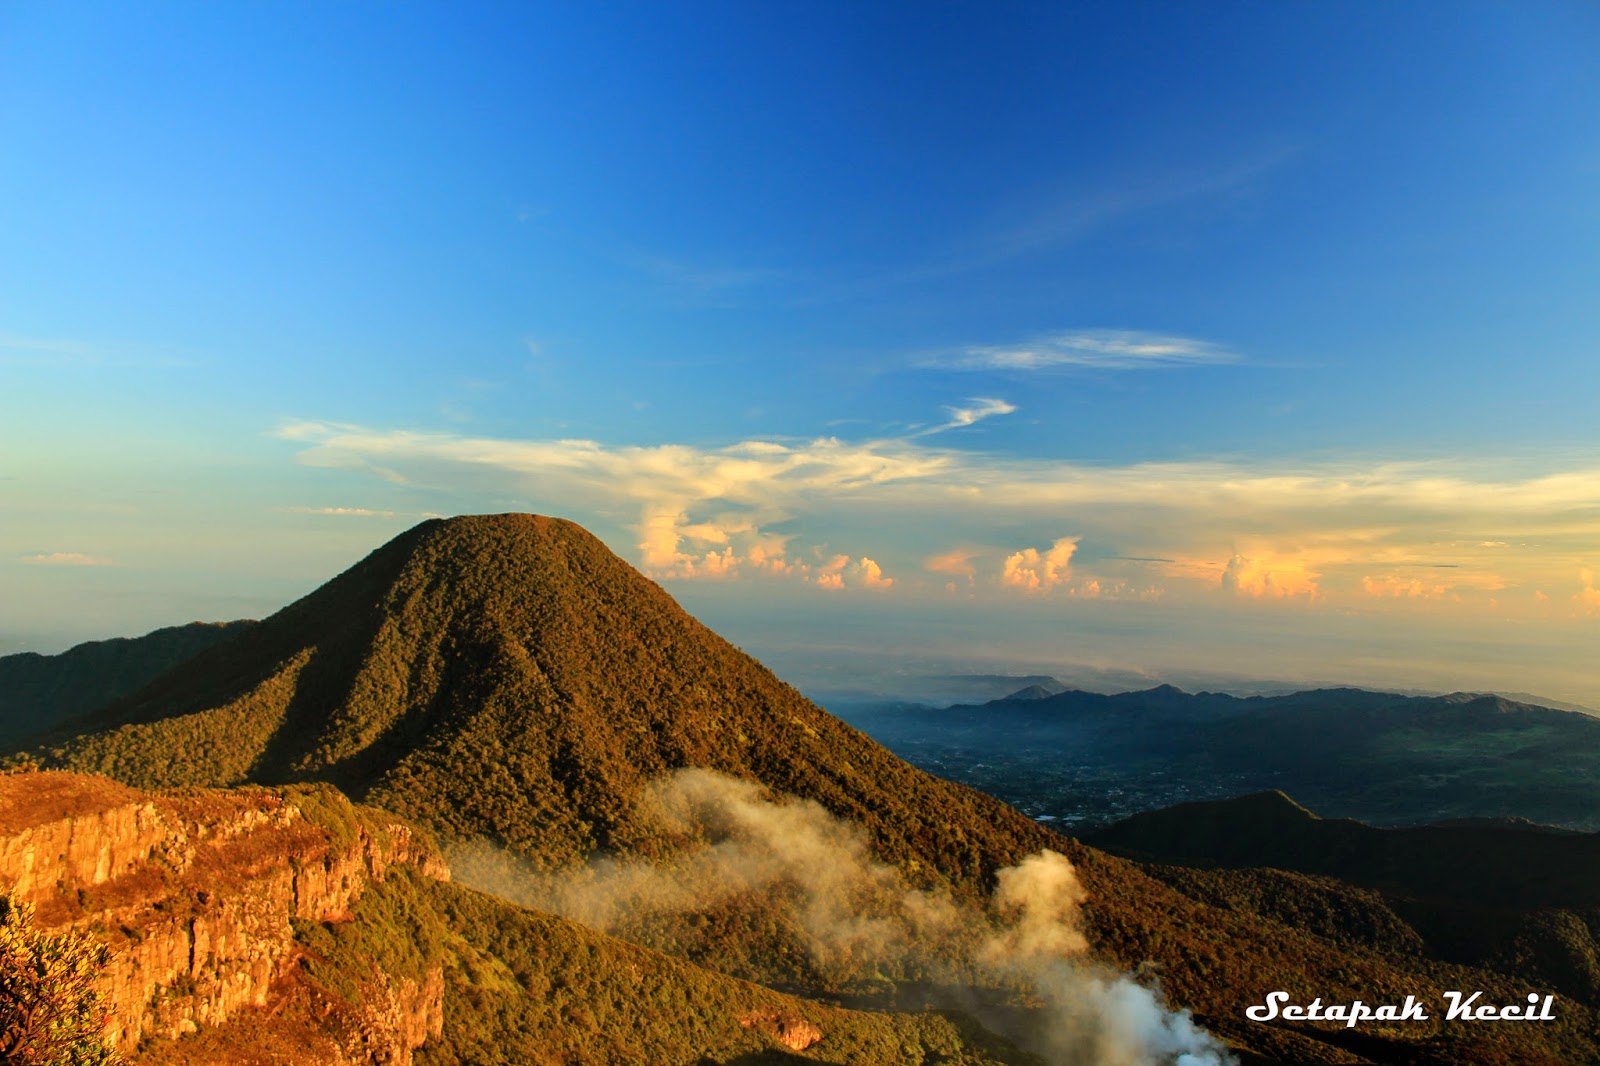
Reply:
x=857 y=914
x=1095 y=1015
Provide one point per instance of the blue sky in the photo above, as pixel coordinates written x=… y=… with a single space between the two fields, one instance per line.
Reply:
x=1253 y=339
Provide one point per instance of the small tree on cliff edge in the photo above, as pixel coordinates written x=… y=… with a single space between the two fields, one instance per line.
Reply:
x=51 y=1014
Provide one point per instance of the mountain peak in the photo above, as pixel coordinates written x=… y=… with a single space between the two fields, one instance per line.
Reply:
x=1041 y=691
x=507 y=676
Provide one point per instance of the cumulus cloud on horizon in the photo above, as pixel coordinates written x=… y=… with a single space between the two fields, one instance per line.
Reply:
x=1268 y=531
x=1588 y=596
x=1034 y=571
x=65 y=559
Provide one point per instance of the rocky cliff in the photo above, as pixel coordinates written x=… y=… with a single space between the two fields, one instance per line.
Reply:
x=198 y=894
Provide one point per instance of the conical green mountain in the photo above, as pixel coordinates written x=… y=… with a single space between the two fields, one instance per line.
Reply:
x=507 y=677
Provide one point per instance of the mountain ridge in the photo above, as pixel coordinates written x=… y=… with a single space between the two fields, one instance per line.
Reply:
x=41 y=692
x=1384 y=758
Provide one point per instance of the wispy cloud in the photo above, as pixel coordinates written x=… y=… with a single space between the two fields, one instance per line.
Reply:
x=1056 y=214
x=65 y=559
x=18 y=350
x=957 y=561
x=1069 y=214
x=1102 y=349
x=981 y=407
x=699 y=284
x=44 y=349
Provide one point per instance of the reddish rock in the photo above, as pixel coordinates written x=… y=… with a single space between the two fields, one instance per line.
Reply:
x=790 y=1030
x=194 y=892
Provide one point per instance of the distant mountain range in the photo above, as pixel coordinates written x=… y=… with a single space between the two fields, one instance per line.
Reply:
x=947 y=689
x=508 y=685
x=1382 y=757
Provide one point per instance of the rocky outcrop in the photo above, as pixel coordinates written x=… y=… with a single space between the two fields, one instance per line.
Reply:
x=790 y=1030
x=197 y=893
x=396 y=1017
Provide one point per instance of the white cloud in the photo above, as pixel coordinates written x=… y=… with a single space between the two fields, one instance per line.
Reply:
x=1093 y=349
x=983 y=407
x=65 y=559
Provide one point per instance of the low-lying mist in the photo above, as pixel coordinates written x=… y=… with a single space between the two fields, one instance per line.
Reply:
x=855 y=914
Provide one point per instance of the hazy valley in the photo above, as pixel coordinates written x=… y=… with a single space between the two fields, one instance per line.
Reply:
x=1087 y=759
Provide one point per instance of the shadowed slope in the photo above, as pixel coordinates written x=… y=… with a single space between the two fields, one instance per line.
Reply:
x=1520 y=899
x=1478 y=863
x=39 y=692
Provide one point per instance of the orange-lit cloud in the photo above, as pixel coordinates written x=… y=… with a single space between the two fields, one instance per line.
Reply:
x=830 y=575
x=1400 y=587
x=1094 y=588
x=872 y=575
x=840 y=573
x=1034 y=571
x=1588 y=597
x=1270 y=578
x=712 y=550
x=956 y=561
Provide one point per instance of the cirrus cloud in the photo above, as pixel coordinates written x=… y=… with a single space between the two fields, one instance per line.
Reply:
x=1100 y=349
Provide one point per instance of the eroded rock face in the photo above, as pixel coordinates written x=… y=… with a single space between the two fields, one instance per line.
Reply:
x=195 y=892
